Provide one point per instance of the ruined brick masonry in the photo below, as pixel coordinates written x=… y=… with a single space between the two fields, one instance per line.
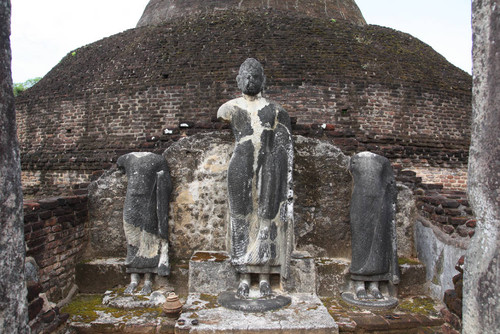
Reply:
x=357 y=87
x=55 y=235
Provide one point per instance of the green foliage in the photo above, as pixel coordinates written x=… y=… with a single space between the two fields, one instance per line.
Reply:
x=22 y=86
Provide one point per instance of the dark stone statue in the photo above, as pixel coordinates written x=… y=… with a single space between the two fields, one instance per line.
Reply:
x=373 y=228
x=145 y=217
x=259 y=182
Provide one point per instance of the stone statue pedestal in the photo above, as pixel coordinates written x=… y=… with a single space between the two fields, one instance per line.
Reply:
x=213 y=282
x=370 y=303
x=305 y=314
x=389 y=300
x=211 y=272
x=273 y=302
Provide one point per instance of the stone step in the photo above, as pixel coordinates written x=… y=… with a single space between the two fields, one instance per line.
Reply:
x=414 y=314
x=211 y=272
x=101 y=275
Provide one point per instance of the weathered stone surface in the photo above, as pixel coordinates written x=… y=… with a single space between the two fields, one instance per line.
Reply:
x=333 y=276
x=212 y=273
x=439 y=255
x=105 y=226
x=229 y=300
x=135 y=301
x=322 y=186
x=13 y=305
x=406 y=213
x=199 y=214
x=302 y=277
x=384 y=303
x=159 y=11
x=107 y=320
x=198 y=210
x=482 y=261
x=413 y=279
x=306 y=314
x=100 y=275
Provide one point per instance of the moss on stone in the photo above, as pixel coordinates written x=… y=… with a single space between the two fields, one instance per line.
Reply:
x=210 y=299
x=85 y=308
x=419 y=305
x=406 y=260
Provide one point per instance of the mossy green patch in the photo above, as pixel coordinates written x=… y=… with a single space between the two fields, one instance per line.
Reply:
x=85 y=308
x=420 y=305
x=406 y=260
x=337 y=305
x=210 y=299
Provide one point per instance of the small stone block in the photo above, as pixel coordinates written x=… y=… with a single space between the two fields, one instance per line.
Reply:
x=211 y=272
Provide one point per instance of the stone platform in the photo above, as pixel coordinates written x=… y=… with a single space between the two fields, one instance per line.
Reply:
x=306 y=314
x=413 y=315
x=101 y=275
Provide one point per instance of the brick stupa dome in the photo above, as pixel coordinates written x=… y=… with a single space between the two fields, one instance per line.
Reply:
x=362 y=87
x=161 y=11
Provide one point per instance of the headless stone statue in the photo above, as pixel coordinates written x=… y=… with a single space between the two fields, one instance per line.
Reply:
x=373 y=202
x=145 y=217
x=259 y=182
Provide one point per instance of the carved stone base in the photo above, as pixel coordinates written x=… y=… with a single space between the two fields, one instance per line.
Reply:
x=202 y=313
x=211 y=272
x=370 y=303
x=229 y=300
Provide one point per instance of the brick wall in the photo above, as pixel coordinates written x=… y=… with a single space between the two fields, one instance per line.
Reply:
x=41 y=182
x=55 y=235
x=119 y=94
x=447 y=209
x=449 y=178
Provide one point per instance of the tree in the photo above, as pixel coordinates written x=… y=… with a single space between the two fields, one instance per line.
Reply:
x=21 y=87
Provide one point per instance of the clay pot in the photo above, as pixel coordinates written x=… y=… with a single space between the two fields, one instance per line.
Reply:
x=172 y=307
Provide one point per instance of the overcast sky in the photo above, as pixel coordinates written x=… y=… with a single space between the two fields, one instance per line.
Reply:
x=44 y=31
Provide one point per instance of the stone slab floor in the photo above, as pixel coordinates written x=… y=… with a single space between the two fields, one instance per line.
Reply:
x=306 y=314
